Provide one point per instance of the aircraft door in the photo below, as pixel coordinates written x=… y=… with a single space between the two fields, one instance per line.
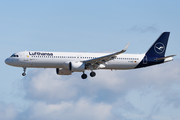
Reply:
x=145 y=60
x=26 y=56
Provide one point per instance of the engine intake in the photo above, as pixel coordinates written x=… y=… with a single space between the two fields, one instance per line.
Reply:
x=76 y=66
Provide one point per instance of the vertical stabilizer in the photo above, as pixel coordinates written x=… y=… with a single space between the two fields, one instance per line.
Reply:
x=158 y=49
x=155 y=52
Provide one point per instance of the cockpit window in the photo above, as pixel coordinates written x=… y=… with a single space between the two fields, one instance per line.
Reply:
x=14 y=55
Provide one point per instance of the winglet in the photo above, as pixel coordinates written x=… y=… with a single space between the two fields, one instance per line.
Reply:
x=122 y=51
x=126 y=46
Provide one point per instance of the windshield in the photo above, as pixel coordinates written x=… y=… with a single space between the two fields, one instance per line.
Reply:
x=14 y=55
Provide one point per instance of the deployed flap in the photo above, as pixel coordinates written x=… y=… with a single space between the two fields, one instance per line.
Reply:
x=165 y=57
x=103 y=59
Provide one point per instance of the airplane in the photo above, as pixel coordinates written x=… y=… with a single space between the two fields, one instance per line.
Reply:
x=68 y=62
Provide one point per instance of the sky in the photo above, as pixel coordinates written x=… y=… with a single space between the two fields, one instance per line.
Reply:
x=151 y=93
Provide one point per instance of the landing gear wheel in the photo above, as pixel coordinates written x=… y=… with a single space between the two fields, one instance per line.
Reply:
x=23 y=74
x=83 y=76
x=92 y=74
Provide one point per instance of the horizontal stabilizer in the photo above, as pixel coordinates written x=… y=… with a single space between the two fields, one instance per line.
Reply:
x=165 y=57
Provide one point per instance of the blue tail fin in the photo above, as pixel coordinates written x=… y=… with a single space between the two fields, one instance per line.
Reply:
x=158 y=49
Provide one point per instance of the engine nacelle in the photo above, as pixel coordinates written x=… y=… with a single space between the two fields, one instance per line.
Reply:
x=63 y=71
x=66 y=64
x=76 y=66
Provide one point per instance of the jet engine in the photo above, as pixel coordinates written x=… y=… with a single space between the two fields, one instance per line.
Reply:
x=76 y=66
x=63 y=71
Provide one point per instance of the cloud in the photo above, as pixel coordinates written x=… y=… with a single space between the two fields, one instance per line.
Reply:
x=143 y=29
x=80 y=110
x=131 y=94
x=44 y=84
x=8 y=111
x=172 y=96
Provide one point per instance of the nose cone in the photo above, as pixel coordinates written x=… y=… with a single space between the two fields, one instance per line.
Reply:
x=7 y=61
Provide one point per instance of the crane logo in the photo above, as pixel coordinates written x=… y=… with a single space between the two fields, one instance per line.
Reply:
x=159 y=47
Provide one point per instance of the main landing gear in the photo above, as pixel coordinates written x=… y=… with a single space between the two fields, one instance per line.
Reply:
x=84 y=76
x=92 y=74
x=24 y=73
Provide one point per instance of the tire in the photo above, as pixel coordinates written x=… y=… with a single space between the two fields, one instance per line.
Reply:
x=92 y=74
x=83 y=76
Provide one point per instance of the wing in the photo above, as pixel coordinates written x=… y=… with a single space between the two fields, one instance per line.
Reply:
x=96 y=62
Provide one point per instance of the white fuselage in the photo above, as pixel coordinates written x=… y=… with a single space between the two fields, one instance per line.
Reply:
x=36 y=59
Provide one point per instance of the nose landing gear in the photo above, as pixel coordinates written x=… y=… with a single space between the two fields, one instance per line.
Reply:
x=24 y=73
